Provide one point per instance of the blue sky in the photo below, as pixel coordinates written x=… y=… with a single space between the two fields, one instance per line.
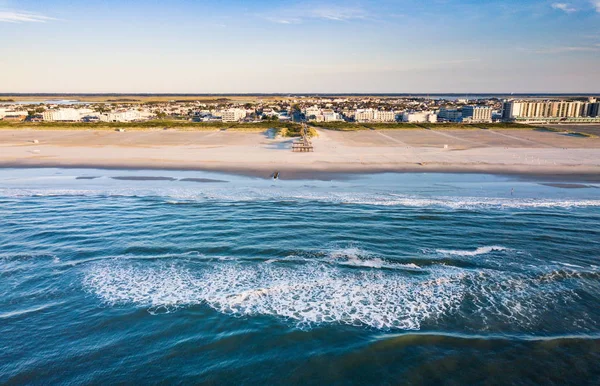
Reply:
x=301 y=46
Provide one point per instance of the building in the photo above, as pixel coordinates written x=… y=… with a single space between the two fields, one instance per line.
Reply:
x=385 y=116
x=233 y=115
x=364 y=115
x=66 y=114
x=551 y=111
x=312 y=113
x=450 y=115
x=63 y=115
x=15 y=117
x=419 y=117
x=372 y=115
x=482 y=114
x=122 y=116
x=12 y=113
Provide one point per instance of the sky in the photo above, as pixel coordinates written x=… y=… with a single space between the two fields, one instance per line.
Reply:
x=299 y=46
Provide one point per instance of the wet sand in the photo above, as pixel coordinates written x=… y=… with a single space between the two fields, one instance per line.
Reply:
x=524 y=152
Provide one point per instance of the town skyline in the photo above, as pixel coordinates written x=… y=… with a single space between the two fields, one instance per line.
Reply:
x=366 y=47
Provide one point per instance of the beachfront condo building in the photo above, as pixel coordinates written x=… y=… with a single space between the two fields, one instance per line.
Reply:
x=551 y=111
x=364 y=115
x=322 y=115
x=233 y=115
x=450 y=115
x=385 y=116
x=329 y=115
x=65 y=114
x=372 y=115
x=129 y=115
x=11 y=113
x=479 y=114
x=311 y=113
x=419 y=117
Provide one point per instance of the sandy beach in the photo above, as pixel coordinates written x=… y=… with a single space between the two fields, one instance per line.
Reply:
x=527 y=152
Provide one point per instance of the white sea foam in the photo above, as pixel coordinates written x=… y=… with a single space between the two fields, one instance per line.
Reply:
x=476 y=252
x=309 y=294
x=306 y=294
x=183 y=196
x=357 y=257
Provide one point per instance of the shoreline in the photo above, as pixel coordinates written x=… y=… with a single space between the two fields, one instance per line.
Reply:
x=339 y=172
x=547 y=156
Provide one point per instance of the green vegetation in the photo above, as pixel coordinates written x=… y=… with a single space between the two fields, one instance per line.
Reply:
x=286 y=129
x=341 y=126
x=450 y=126
x=294 y=131
x=579 y=134
x=392 y=126
x=352 y=126
x=154 y=124
x=505 y=125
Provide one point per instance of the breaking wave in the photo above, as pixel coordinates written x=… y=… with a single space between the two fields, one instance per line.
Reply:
x=476 y=252
x=314 y=293
x=307 y=295
x=184 y=196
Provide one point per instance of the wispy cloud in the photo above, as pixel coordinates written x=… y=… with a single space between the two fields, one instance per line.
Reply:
x=337 y=13
x=564 y=49
x=565 y=7
x=22 y=17
x=301 y=12
x=596 y=4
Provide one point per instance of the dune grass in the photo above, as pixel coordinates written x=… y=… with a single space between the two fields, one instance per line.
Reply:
x=353 y=126
x=149 y=125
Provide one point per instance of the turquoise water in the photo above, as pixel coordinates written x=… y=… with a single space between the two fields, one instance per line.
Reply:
x=111 y=276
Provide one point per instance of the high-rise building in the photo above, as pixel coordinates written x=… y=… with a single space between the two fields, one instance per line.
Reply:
x=233 y=115
x=384 y=116
x=364 y=115
x=477 y=114
x=541 y=111
x=372 y=115
x=451 y=115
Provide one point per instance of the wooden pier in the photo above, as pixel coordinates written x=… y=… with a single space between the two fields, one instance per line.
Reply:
x=303 y=144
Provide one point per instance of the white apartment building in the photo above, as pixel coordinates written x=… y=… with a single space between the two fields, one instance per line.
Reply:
x=419 y=117
x=385 y=116
x=312 y=111
x=364 y=115
x=329 y=116
x=66 y=114
x=322 y=115
x=481 y=114
x=11 y=111
x=123 y=116
x=372 y=115
x=551 y=111
x=233 y=115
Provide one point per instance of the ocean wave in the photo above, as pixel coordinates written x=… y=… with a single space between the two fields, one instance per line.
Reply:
x=308 y=294
x=356 y=257
x=182 y=196
x=317 y=293
x=479 y=251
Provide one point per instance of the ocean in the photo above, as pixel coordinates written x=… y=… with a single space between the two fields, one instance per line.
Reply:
x=149 y=276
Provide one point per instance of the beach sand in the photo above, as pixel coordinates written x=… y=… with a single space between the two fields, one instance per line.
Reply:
x=526 y=152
